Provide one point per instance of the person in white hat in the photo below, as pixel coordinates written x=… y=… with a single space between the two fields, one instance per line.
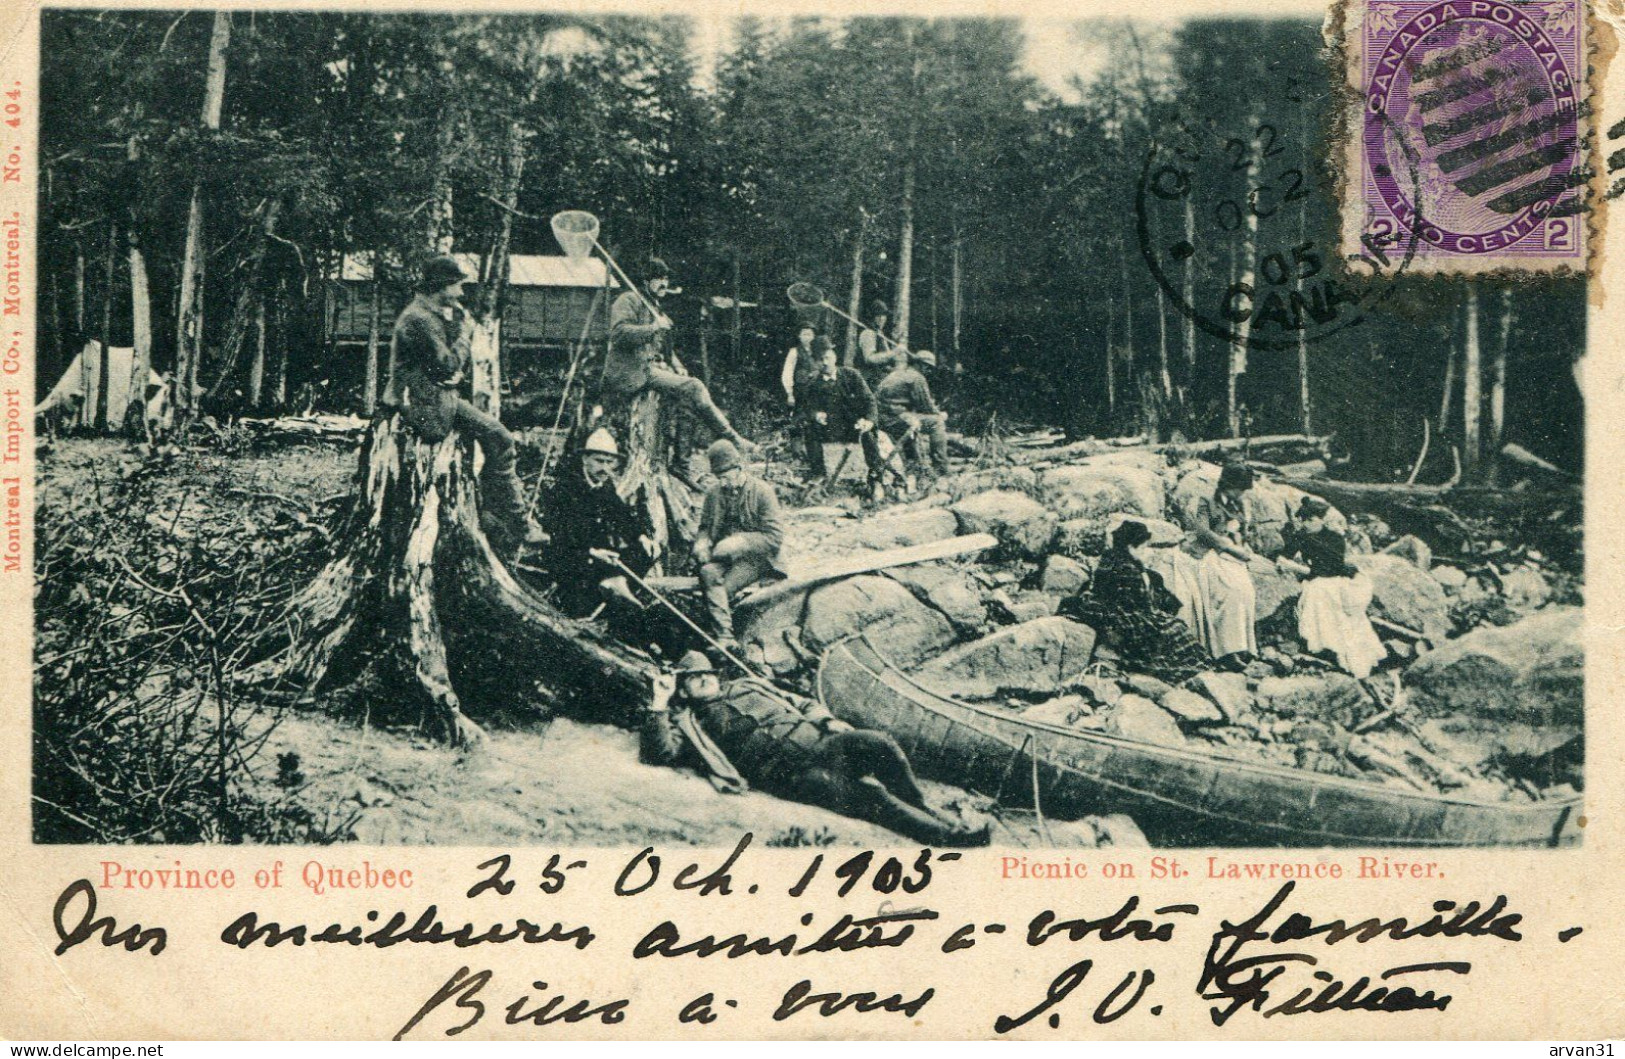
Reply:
x=588 y=521
x=745 y=732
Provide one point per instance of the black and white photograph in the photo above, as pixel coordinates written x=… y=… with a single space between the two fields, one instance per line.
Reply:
x=580 y=430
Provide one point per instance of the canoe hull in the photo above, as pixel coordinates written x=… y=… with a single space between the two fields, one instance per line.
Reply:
x=1178 y=797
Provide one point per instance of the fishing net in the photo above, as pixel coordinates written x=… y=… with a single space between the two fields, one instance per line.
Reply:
x=576 y=231
x=804 y=295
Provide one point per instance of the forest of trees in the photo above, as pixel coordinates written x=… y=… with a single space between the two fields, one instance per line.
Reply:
x=203 y=175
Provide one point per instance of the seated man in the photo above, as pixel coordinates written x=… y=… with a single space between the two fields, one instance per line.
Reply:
x=739 y=536
x=840 y=409
x=908 y=411
x=638 y=358
x=430 y=348
x=749 y=731
x=587 y=518
x=877 y=352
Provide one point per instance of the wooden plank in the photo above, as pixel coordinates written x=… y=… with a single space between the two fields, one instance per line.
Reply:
x=869 y=562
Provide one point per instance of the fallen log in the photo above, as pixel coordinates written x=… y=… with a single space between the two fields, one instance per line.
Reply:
x=851 y=566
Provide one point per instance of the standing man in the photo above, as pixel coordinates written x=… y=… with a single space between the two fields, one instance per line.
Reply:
x=430 y=348
x=587 y=520
x=638 y=358
x=800 y=364
x=877 y=353
x=841 y=409
x=907 y=410
x=792 y=747
x=739 y=536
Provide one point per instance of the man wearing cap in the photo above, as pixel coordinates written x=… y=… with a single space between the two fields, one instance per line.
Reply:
x=637 y=355
x=747 y=731
x=739 y=535
x=430 y=351
x=877 y=353
x=589 y=522
x=841 y=409
x=907 y=409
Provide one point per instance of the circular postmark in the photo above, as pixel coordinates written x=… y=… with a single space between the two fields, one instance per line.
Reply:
x=1223 y=222
x=1485 y=99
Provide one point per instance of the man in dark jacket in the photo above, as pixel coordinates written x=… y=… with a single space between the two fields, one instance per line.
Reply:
x=638 y=358
x=588 y=520
x=431 y=351
x=739 y=535
x=907 y=410
x=840 y=409
x=749 y=732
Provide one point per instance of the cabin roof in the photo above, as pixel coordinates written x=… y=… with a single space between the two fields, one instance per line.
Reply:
x=524 y=270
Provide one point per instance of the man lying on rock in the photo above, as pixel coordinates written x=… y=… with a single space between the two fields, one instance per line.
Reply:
x=791 y=747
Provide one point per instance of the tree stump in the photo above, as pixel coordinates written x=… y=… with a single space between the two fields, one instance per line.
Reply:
x=419 y=613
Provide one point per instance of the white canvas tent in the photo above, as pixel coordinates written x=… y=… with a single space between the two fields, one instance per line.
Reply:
x=78 y=391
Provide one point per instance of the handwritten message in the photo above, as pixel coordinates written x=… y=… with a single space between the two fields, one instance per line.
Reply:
x=1278 y=960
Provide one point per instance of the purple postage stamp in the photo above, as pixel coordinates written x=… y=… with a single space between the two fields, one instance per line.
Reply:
x=1471 y=137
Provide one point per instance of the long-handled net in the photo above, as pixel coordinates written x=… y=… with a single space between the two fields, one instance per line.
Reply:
x=576 y=231
x=806 y=295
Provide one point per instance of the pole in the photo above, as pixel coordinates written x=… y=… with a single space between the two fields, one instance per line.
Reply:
x=669 y=605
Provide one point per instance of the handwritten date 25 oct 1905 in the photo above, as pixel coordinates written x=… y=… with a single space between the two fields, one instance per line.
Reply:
x=1273 y=962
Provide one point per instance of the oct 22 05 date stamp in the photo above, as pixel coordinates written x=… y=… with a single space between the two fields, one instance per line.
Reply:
x=1484 y=102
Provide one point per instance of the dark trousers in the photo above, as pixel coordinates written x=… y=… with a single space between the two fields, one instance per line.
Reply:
x=816 y=435
x=438 y=413
x=865 y=774
x=692 y=394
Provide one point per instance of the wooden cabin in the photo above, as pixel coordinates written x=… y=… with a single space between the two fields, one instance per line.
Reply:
x=549 y=301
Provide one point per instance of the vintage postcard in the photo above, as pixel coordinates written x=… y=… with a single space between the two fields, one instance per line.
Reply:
x=785 y=520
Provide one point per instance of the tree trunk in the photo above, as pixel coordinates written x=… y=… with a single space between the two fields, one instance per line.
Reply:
x=1470 y=383
x=256 y=370
x=140 y=300
x=1498 y=378
x=1449 y=389
x=241 y=314
x=958 y=292
x=1164 y=376
x=141 y=323
x=369 y=396
x=905 y=245
x=438 y=218
x=105 y=376
x=283 y=346
x=419 y=617
x=1190 y=289
x=79 y=292
x=854 y=299
x=1238 y=349
x=189 y=323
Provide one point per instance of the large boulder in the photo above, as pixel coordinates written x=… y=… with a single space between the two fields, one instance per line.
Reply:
x=904 y=529
x=948 y=589
x=1035 y=656
x=1094 y=490
x=1227 y=691
x=899 y=626
x=1532 y=671
x=1021 y=524
x=1275 y=589
x=1138 y=718
x=1323 y=696
x=1405 y=595
x=1064 y=576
